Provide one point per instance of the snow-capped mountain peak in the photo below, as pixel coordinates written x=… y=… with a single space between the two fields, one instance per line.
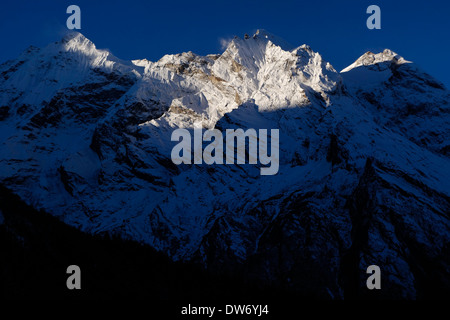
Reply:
x=370 y=58
x=262 y=34
x=39 y=73
x=75 y=41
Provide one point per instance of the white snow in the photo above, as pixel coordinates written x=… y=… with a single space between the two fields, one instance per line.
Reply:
x=259 y=82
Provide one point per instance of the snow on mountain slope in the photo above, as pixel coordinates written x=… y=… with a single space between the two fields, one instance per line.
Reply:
x=402 y=97
x=39 y=73
x=364 y=169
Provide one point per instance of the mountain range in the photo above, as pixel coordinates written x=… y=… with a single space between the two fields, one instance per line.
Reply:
x=364 y=176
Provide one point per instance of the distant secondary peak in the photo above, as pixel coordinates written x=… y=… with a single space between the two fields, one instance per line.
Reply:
x=370 y=58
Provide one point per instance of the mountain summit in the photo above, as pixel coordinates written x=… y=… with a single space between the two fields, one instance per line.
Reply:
x=364 y=160
x=264 y=35
x=370 y=58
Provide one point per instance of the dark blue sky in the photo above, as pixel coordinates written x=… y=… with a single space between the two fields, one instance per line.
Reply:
x=417 y=30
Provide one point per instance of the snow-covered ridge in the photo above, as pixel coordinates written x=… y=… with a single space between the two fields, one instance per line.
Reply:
x=370 y=58
x=39 y=74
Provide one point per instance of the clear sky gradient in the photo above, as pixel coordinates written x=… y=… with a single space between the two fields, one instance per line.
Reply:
x=132 y=29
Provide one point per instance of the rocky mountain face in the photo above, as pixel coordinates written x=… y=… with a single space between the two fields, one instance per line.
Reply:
x=364 y=173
